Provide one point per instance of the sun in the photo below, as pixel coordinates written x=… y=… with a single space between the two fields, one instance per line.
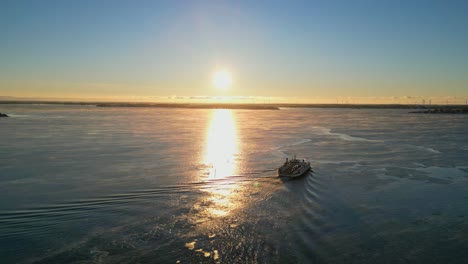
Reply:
x=222 y=80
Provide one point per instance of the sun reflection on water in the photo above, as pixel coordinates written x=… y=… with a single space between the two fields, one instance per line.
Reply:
x=219 y=158
x=221 y=147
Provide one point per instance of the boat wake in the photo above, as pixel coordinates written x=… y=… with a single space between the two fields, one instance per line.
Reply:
x=327 y=131
x=281 y=154
x=428 y=149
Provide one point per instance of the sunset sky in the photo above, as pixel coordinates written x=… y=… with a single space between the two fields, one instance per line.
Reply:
x=284 y=49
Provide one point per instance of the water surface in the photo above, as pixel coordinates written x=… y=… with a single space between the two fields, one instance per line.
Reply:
x=81 y=184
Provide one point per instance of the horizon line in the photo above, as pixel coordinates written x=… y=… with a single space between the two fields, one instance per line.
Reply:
x=344 y=100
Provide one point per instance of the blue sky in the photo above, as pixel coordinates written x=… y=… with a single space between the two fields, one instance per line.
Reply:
x=272 y=48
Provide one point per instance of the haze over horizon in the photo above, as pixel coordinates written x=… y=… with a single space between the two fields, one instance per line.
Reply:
x=301 y=51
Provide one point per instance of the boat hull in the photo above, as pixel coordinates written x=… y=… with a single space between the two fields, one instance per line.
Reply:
x=298 y=173
x=295 y=175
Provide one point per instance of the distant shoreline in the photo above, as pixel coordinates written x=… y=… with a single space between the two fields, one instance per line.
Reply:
x=248 y=106
x=192 y=106
x=443 y=110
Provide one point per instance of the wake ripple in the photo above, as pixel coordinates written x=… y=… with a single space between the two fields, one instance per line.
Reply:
x=279 y=153
x=428 y=149
x=42 y=218
x=313 y=223
x=346 y=137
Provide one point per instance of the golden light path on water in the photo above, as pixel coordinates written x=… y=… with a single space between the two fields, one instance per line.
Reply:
x=220 y=158
x=222 y=145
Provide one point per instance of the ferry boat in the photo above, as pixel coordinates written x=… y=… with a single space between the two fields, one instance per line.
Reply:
x=293 y=168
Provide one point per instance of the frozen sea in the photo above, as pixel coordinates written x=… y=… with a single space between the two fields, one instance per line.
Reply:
x=83 y=184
